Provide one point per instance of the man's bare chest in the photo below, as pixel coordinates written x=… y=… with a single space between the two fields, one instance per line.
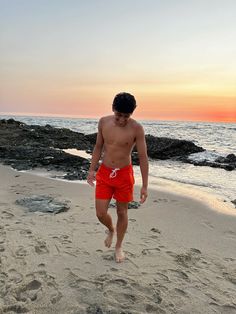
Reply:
x=119 y=137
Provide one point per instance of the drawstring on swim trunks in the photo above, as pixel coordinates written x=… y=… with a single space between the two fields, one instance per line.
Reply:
x=113 y=173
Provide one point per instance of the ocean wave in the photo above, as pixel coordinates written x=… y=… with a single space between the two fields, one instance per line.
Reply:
x=206 y=156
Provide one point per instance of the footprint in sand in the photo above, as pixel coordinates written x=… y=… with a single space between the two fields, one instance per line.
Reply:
x=26 y=232
x=28 y=291
x=128 y=292
x=21 y=252
x=230 y=234
x=7 y=215
x=226 y=308
x=64 y=239
x=154 y=309
x=150 y=239
x=83 y=285
x=159 y=200
x=16 y=308
x=187 y=259
x=3 y=279
x=2 y=248
x=155 y=230
x=179 y=274
x=15 y=276
x=129 y=254
x=41 y=247
x=181 y=292
x=229 y=259
x=41 y=265
x=108 y=256
x=114 y=269
x=150 y=251
x=230 y=275
x=162 y=277
x=20 y=291
x=48 y=285
x=208 y=224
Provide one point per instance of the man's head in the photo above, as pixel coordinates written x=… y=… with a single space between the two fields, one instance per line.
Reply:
x=124 y=103
x=123 y=106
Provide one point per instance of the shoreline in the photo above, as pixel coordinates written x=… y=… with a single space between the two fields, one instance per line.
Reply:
x=215 y=201
x=180 y=254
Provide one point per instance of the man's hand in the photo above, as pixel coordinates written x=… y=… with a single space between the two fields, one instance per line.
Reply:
x=91 y=178
x=143 y=195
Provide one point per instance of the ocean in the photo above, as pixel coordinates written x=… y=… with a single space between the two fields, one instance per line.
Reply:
x=204 y=183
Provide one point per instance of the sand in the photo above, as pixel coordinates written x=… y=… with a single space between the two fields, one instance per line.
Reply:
x=180 y=254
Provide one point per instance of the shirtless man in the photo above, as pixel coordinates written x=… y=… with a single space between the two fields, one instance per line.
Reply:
x=116 y=137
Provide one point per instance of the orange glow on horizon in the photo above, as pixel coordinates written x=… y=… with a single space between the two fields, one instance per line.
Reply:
x=210 y=116
x=150 y=106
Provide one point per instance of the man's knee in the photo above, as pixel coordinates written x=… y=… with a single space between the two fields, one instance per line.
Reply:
x=101 y=214
x=101 y=208
x=122 y=214
x=122 y=209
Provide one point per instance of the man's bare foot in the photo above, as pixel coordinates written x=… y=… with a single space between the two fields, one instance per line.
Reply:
x=109 y=238
x=119 y=255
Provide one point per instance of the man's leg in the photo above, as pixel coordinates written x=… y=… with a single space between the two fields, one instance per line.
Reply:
x=105 y=218
x=121 y=227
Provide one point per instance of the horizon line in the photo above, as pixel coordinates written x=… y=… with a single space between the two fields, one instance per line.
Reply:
x=51 y=115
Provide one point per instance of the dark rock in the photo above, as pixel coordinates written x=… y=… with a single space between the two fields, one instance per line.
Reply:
x=227 y=163
x=94 y=309
x=27 y=157
x=134 y=205
x=131 y=205
x=135 y=159
x=160 y=147
x=165 y=148
x=230 y=158
x=220 y=159
x=91 y=138
x=19 y=133
x=234 y=202
x=43 y=203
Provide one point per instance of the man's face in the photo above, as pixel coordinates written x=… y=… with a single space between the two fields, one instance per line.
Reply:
x=121 y=119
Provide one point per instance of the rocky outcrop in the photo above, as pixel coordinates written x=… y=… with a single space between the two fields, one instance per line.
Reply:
x=161 y=147
x=166 y=148
x=29 y=146
x=30 y=157
x=227 y=163
x=17 y=133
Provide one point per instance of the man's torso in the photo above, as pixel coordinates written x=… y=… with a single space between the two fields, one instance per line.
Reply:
x=118 y=142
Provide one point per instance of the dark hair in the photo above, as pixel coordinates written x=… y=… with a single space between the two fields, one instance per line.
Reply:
x=124 y=103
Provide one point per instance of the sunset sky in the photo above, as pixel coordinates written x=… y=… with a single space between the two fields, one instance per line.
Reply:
x=70 y=57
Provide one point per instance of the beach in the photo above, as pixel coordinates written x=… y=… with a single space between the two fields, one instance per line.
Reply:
x=180 y=254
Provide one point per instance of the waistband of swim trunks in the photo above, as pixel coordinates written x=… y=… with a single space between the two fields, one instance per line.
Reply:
x=120 y=169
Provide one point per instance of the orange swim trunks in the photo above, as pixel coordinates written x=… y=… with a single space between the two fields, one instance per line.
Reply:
x=115 y=182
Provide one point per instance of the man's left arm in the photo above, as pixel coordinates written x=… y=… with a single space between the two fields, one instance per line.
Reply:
x=143 y=161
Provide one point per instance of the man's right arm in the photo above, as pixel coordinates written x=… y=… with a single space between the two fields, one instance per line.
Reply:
x=97 y=151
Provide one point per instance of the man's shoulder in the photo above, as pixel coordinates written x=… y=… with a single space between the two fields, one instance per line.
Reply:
x=135 y=124
x=106 y=118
